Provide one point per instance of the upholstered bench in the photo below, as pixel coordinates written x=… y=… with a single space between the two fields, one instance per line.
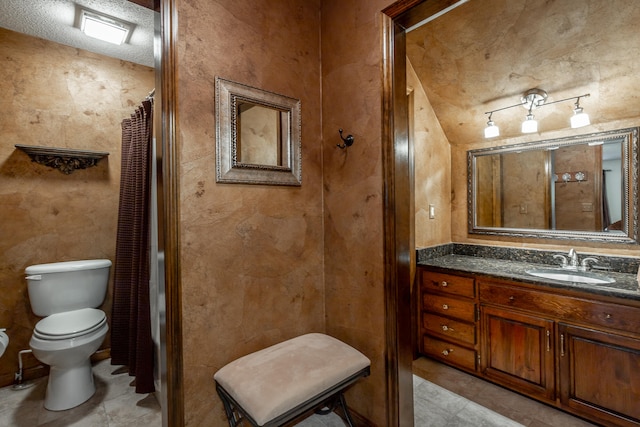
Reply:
x=280 y=383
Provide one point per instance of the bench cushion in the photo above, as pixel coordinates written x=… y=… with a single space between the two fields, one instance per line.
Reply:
x=271 y=381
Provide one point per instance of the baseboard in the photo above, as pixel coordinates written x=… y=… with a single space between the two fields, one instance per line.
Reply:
x=34 y=369
x=358 y=419
x=100 y=355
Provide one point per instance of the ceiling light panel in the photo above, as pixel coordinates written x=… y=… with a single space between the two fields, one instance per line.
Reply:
x=104 y=27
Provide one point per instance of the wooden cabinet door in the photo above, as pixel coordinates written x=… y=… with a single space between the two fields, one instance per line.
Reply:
x=600 y=374
x=517 y=351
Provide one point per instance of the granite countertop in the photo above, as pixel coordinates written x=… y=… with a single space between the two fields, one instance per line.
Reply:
x=625 y=285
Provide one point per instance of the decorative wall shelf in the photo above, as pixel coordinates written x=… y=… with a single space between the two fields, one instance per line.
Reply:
x=66 y=160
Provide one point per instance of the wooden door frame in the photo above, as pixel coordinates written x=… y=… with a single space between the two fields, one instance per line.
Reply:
x=398 y=196
x=168 y=215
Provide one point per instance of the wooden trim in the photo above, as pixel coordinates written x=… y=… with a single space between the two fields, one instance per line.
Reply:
x=168 y=213
x=407 y=13
x=395 y=173
x=149 y=4
x=400 y=7
x=398 y=194
x=358 y=419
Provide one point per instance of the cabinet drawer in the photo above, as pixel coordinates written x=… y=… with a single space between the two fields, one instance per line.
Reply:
x=465 y=332
x=447 y=283
x=511 y=296
x=451 y=307
x=450 y=352
x=595 y=313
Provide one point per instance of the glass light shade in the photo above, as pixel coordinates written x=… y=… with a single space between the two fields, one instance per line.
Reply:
x=579 y=119
x=491 y=131
x=530 y=125
x=103 y=29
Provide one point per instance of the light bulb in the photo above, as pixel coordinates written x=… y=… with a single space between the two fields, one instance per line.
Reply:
x=491 y=131
x=530 y=125
x=579 y=118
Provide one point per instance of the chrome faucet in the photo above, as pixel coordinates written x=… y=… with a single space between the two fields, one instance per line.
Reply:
x=584 y=265
x=570 y=261
x=573 y=259
x=563 y=260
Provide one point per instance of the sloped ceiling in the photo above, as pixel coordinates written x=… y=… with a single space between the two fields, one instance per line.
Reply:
x=55 y=20
x=483 y=55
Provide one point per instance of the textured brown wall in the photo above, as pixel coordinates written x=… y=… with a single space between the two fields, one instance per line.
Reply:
x=525 y=190
x=483 y=55
x=56 y=96
x=432 y=176
x=251 y=256
x=353 y=185
x=457 y=59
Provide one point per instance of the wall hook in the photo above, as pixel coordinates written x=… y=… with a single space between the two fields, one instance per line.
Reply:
x=348 y=141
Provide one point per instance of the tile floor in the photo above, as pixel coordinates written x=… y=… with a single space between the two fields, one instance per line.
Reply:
x=454 y=397
x=443 y=397
x=115 y=404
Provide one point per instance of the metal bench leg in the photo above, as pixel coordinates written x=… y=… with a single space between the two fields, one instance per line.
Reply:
x=232 y=415
x=343 y=403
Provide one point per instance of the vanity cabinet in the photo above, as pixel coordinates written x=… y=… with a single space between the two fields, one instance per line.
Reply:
x=599 y=374
x=517 y=351
x=448 y=318
x=577 y=351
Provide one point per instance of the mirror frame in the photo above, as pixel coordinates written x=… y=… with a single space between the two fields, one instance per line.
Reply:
x=629 y=179
x=229 y=168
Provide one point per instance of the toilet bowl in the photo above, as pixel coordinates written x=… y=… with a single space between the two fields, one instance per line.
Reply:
x=65 y=342
x=67 y=294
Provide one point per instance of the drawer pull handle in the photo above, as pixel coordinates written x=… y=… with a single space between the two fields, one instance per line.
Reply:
x=607 y=316
x=446 y=328
x=446 y=352
x=445 y=307
x=512 y=298
x=444 y=284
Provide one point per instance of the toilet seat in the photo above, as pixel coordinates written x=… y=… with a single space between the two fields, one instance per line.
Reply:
x=70 y=324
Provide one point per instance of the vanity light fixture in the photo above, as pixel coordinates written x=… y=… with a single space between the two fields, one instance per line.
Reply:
x=491 y=130
x=104 y=27
x=579 y=118
x=537 y=98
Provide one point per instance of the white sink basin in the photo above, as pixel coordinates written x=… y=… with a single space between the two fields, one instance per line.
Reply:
x=570 y=275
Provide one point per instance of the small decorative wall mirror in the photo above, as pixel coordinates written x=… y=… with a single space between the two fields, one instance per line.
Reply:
x=257 y=136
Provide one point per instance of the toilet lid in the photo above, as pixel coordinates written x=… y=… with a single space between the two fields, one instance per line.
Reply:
x=70 y=324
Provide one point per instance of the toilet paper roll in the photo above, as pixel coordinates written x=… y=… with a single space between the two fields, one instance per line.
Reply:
x=4 y=341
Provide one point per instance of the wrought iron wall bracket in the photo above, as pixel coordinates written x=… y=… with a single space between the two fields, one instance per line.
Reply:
x=66 y=160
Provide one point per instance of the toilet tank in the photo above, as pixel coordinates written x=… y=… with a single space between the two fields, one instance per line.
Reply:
x=64 y=286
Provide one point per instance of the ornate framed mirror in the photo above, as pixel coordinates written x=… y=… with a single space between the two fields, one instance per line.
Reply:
x=258 y=136
x=577 y=188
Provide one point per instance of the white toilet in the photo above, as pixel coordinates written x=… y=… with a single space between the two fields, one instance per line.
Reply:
x=68 y=294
